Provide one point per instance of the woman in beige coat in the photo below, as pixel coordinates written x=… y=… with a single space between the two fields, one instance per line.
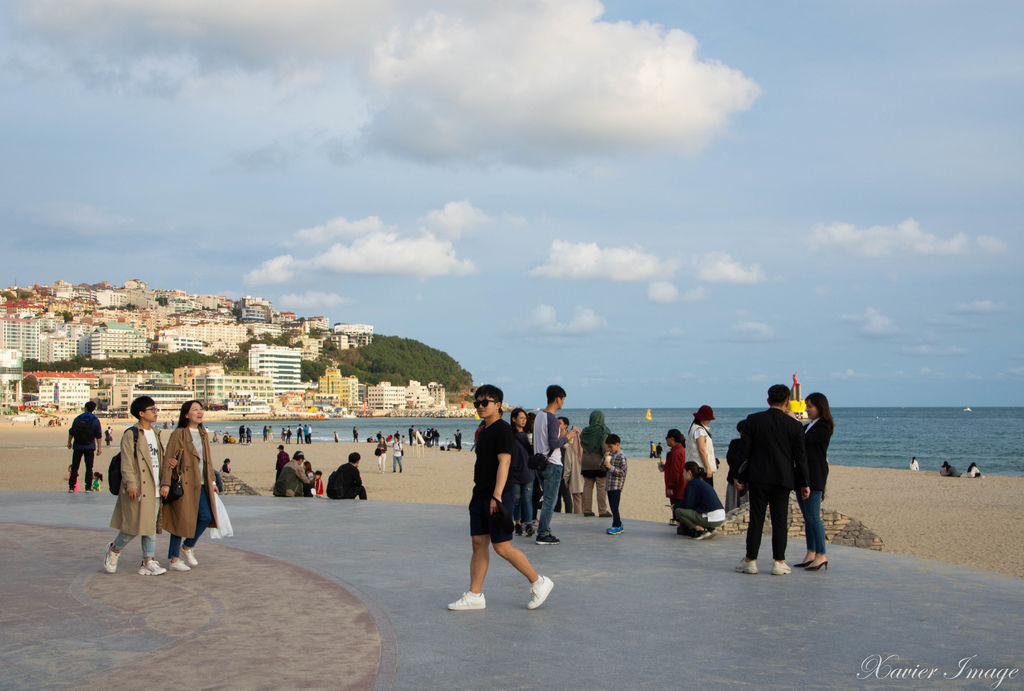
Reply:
x=135 y=512
x=189 y=448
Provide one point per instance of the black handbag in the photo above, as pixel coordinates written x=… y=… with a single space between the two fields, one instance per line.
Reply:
x=175 y=491
x=539 y=461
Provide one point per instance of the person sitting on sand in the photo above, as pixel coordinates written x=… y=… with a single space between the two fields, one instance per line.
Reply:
x=292 y=479
x=948 y=471
x=973 y=470
x=346 y=482
x=913 y=464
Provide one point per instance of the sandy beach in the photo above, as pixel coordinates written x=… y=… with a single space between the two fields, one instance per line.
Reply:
x=977 y=523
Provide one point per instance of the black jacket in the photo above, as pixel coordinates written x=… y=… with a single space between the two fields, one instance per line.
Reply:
x=773 y=449
x=816 y=442
x=346 y=482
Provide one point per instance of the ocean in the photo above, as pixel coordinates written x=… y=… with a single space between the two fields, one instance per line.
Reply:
x=871 y=437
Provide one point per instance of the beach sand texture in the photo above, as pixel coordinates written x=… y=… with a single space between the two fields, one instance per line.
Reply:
x=972 y=522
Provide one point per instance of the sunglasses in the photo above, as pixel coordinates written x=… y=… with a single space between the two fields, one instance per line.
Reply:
x=483 y=404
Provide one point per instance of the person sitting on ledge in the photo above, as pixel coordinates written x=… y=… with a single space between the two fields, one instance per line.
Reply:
x=346 y=482
x=700 y=511
x=292 y=479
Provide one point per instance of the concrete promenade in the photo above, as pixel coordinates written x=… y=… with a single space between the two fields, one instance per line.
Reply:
x=329 y=594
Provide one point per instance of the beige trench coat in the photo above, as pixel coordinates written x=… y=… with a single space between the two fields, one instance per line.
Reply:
x=137 y=517
x=179 y=517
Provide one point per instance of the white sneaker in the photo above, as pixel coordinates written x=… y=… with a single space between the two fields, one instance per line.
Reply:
x=539 y=592
x=746 y=567
x=151 y=568
x=178 y=566
x=110 y=559
x=781 y=568
x=468 y=601
x=189 y=556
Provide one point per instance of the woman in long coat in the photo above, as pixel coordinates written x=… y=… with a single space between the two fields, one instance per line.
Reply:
x=135 y=512
x=188 y=516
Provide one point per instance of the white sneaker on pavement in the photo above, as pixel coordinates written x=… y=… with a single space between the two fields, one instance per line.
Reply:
x=468 y=601
x=781 y=568
x=151 y=568
x=539 y=592
x=178 y=566
x=746 y=567
x=110 y=559
x=189 y=556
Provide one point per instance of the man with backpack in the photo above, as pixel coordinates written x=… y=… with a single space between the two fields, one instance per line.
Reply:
x=84 y=437
x=346 y=482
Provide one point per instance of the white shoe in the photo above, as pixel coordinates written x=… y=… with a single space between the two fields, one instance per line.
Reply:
x=781 y=568
x=110 y=559
x=746 y=567
x=189 y=556
x=468 y=601
x=178 y=566
x=151 y=568
x=539 y=592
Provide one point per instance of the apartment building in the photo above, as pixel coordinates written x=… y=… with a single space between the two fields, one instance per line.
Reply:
x=283 y=365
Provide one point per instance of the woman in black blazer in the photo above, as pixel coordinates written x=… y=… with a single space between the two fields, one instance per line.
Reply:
x=817 y=434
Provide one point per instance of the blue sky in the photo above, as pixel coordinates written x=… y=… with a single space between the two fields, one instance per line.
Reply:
x=653 y=204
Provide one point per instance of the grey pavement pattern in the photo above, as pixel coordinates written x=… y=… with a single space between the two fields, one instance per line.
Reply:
x=646 y=609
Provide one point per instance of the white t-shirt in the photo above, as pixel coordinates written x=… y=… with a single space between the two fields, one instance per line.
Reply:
x=397 y=446
x=197 y=442
x=154 y=453
x=695 y=432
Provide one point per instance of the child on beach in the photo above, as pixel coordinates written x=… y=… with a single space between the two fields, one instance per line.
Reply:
x=97 y=482
x=615 y=463
x=318 y=484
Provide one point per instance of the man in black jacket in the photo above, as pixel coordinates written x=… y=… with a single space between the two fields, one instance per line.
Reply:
x=346 y=482
x=775 y=464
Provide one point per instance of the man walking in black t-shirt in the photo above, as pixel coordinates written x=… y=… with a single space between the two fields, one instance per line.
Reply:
x=490 y=509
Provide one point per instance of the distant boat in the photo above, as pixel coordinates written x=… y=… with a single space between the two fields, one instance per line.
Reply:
x=648 y=418
x=968 y=410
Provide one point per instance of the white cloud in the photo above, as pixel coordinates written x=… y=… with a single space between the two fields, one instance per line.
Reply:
x=905 y=238
x=1017 y=371
x=927 y=350
x=873 y=324
x=280 y=269
x=544 y=320
x=527 y=81
x=665 y=293
x=455 y=219
x=752 y=331
x=587 y=261
x=84 y=219
x=845 y=375
x=312 y=299
x=391 y=254
x=337 y=228
x=977 y=307
x=720 y=267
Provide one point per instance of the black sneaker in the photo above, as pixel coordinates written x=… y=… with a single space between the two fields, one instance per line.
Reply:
x=519 y=528
x=529 y=529
x=588 y=514
x=548 y=539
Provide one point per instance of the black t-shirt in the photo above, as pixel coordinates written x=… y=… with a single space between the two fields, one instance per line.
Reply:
x=493 y=440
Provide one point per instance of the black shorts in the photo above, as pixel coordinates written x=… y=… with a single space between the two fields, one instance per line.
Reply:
x=481 y=522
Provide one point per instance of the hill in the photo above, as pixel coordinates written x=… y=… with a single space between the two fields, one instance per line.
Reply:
x=396 y=359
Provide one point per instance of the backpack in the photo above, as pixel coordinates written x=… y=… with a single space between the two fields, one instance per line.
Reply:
x=333 y=489
x=114 y=471
x=82 y=430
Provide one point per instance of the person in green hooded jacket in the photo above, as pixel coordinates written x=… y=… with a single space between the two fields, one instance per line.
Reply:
x=594 y=450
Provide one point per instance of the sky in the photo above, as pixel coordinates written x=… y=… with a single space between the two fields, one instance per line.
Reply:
x=653 y=204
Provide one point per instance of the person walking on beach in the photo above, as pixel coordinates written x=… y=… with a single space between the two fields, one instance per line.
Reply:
x=136 y=509
x=84 y=437
x=458 y=439
x=698 y=440
x=817 y=434
x=490 y=509
x=397 y=449
x=546 y=441
x=381 y=452
x=592 y=439
x=355 y=435
x=773 y=449
x=191 y=513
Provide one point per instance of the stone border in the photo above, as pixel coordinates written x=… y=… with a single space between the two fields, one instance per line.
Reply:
x=234 y=485
x=840 y=529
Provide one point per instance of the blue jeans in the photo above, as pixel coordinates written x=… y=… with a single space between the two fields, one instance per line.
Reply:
x=148 y=541
x=813 y=526
x=202 y=520
x=523 y=511
x=550 y=482
x=396 y=462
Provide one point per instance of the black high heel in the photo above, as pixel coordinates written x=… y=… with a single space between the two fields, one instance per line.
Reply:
x=802 y=564
x=822 y=565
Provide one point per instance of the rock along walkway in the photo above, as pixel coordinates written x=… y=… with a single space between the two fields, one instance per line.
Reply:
x=329 y=594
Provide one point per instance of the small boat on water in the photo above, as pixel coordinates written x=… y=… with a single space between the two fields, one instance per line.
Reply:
x=968 y=410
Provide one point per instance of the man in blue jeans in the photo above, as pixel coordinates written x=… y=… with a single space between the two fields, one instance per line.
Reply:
x=547 y=440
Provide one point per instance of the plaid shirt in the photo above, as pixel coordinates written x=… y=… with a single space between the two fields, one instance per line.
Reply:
x=617 y=473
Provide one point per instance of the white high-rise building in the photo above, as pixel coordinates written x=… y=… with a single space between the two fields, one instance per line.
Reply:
x=20 y=334
x=55 y=346
x=282 y=364
x=358 y=334
x=115 y=339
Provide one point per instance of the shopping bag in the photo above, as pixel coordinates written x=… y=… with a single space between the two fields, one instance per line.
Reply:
x=223 y=528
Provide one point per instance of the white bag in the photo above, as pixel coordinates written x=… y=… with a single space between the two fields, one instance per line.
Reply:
x=223 y=528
